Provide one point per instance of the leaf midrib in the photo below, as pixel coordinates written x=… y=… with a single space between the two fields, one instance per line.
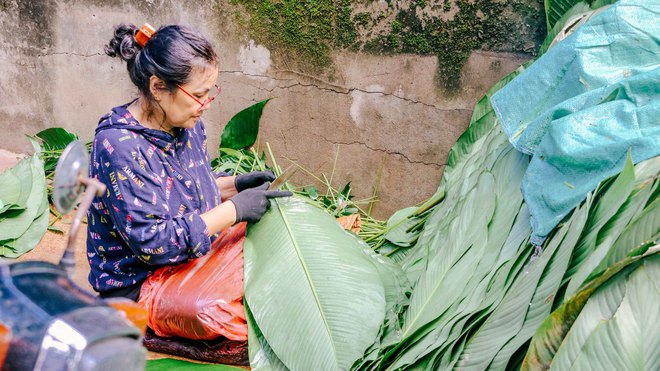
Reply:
x=308 y=275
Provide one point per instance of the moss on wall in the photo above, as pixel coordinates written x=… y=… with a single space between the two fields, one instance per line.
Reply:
x=304 y=32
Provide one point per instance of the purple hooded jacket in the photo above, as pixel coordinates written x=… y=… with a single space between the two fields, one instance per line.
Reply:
x=157 y=187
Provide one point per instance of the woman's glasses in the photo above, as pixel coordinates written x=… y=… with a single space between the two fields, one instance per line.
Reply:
x=208 y=100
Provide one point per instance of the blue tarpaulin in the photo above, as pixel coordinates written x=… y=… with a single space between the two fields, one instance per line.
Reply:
x=582 y=106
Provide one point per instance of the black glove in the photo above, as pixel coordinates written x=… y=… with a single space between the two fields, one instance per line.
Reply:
x=253 y=179
x=252 y=203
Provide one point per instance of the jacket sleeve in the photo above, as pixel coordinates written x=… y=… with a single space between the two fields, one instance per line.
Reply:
x=136 y=201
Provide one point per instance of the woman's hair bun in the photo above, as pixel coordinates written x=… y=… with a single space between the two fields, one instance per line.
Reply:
x=123 y=44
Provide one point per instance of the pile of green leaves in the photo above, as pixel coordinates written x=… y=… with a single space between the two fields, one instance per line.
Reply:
x=475 y=292
x=23 y=206
x=610 y=324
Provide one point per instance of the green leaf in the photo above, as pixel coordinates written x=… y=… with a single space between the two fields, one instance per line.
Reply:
x=644 y=229
x=56 y=138
x=601 y=306
x=16 y=183
x=541 y=304
x=346 y=191
x=167 y=364
x=310 y=286
x=53 y=228
x=425 y=303
x=631 y=338
x=53 y=143
x=555 y=9
x=32 y=176
x=575 y=13
x=30 y=238
x=399 y=224
x=526 y=298
x=242 y=130
x=587 y=256
x=550 y=335
x=10 y=191
x=261 y=354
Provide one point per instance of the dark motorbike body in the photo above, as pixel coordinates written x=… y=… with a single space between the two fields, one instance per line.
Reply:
x=55 y=325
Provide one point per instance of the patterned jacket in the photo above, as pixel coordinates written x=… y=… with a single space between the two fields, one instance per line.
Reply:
x=157 y=186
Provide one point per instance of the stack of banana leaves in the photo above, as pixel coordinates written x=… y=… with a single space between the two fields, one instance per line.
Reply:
x=24 y=210
x=462 y=286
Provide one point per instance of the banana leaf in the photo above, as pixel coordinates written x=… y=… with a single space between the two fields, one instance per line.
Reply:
x=631 y=338
x=560 y=12
x=610 y=324
x=54 y=140
x=21 y=229
x=641 y=233
x=261 y=354
x=242 y=129
x=608 y=210
x=471 y=260
x=531 y=306
x=20 y=232
x=457 y=223
x=167 y=364
x=10 y=191
x=644 y=228
x=555 y=9
x=16 y=185
x=31 y=237
x=613 y=229
x=316 y=297
x=399 y=225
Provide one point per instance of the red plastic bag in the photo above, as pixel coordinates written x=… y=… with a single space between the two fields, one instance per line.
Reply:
x=201 y=299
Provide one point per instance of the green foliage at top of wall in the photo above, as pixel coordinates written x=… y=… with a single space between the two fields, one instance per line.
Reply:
x=302 y=33
x=303 y=30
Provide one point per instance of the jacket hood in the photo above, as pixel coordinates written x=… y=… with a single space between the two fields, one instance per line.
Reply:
x=121 y=119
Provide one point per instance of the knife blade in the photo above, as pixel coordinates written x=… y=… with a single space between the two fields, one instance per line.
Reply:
x=283 y=178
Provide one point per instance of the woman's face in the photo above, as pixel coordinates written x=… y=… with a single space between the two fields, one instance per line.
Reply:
x=182 y=111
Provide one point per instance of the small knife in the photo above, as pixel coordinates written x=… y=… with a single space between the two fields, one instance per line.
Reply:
x=283 y=178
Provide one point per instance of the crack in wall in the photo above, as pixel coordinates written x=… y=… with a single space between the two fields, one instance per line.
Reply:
x=338 y=89
x=72 y=53
x=389 y=152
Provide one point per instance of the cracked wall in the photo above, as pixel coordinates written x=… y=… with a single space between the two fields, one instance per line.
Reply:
x=373 y=111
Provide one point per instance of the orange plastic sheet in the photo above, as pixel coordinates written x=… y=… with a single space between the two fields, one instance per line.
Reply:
x=133 y=311
x=201 y=299
x=5 y=339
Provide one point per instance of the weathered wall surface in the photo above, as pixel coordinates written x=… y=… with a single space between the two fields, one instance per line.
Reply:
x=369 y=110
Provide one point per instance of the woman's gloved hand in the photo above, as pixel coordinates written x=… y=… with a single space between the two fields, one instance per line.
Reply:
x=253 y=179
x=252 y=203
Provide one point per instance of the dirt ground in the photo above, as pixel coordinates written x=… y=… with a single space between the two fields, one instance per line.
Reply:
x=52 y=245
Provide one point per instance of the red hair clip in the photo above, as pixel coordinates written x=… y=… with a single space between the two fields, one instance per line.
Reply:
x=144 y=34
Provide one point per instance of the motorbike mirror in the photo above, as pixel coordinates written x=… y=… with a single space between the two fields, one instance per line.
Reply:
x=70 y=171
x=69 y=181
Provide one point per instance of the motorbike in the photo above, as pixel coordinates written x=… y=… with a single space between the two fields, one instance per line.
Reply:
x=47 y=322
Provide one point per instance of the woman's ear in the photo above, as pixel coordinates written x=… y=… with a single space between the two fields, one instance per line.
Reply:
x=157 y=87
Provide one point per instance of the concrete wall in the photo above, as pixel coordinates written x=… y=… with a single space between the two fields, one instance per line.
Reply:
x=371 y=110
